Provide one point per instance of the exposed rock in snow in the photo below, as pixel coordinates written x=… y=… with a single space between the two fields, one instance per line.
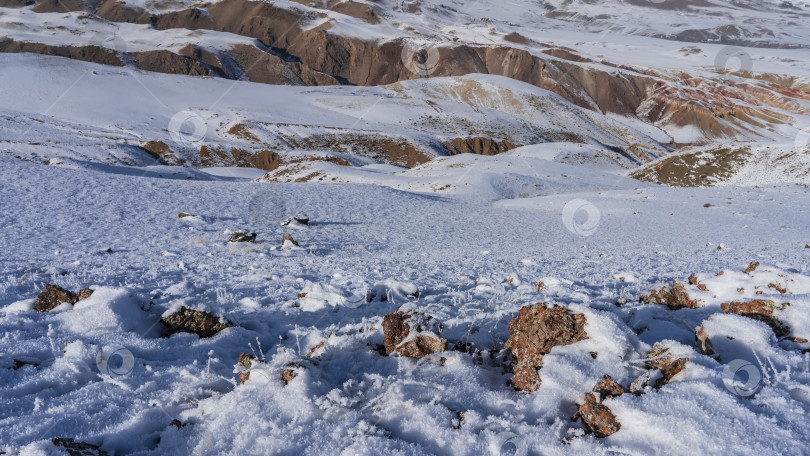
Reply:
x=412 y=335
x=241 y=236
x=663 y=367
x=533 y=333
x=243 y=367
x=675 y=297
x=758 y=309
x=596 y=418
x=52 y=296
x=607 y=388
x=288 y=241
x=290 y=372
x=197 y=322
x=74 y=448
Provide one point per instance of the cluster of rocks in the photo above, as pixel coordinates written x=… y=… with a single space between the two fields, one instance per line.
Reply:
x=53 y=296
x=301 y=219
x=244 y=236
x=597 y=418
x=674 y=297
x=201 y=323
x=241 y=236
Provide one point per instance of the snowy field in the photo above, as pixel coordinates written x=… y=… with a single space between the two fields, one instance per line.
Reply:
x=475 y=255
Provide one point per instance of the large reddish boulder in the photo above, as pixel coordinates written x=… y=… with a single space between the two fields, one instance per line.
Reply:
x=675 y=297
x=596 y=418
x=533 y=333
x=412 y=335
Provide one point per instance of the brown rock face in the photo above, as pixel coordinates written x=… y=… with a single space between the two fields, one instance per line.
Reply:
x=596 y=418
x=162 y=152
x=15 y=3
x=196 y=322
x=116 y=11
x=207 y=57
x=397 y=328
x=675 y=298
x=57 y=6
x=94 y=54
x=607 y=388
x=533 y=333
x=266 y=68
x=192 y=19
x=263 y=159
x=52 y=296
x=758 y=309
x=362 y=11
x=480 y=146
x=171 y=63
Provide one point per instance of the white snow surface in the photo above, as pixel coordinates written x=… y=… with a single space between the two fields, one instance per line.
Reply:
x=465 y=240
x=473 y=254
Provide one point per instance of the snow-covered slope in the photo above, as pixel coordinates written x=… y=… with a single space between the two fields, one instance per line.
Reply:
x=107 y=114
x=474 y=263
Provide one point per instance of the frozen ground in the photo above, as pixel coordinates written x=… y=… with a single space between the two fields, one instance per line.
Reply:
x=473 y=252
